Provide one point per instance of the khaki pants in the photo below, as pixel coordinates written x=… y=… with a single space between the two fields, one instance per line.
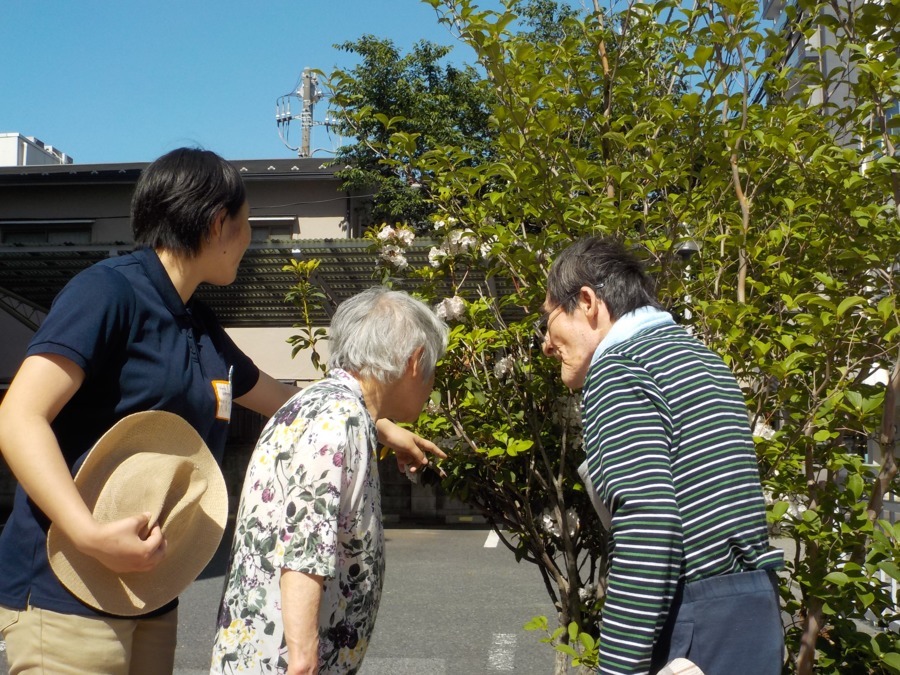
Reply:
x=41 y=641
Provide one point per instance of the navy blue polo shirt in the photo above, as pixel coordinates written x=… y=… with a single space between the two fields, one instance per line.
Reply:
x=141 y=348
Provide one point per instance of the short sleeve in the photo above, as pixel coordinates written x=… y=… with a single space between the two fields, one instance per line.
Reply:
x=313 y=470
x=87 y=319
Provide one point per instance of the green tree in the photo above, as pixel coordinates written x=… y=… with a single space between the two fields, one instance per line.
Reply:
x=409 y=103
x=684 y=131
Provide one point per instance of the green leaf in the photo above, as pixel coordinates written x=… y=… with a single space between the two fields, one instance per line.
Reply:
x=690 y=101
x=847 y=303
x=886 y=304
x=537 y=623
x=587 y=642
x=890 y=569
x=702 y=54
x=778 y=510
x=855 y=485
x=793 y=360
x=891 y=660
x=855 y=399
x=823 y=435
x=838 y=578
x=566 y=649
x=516 y=446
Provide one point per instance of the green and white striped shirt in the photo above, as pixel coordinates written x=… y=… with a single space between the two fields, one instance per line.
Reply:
x=670 y=452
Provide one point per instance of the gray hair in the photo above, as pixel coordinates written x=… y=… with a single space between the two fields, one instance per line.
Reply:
x=374 y=333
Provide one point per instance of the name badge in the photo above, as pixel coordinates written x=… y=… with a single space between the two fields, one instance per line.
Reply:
x=222 y=390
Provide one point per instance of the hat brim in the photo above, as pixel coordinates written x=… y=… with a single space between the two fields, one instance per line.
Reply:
x=137 y=593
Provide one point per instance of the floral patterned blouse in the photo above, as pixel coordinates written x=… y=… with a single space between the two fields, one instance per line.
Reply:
x=310 y=503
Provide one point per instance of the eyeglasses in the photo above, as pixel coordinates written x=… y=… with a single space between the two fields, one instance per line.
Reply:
x=542 y=325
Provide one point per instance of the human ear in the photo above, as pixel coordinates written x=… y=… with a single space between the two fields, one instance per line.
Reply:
x=588 y=300
x=414 y=364
x=217 y=225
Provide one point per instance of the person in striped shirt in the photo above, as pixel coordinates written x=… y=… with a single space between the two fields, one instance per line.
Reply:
x=671 y=457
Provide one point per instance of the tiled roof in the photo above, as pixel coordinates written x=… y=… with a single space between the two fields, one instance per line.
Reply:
x=257 y=298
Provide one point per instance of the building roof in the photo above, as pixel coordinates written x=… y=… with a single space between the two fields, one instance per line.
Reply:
x=32 y=275
x=256 y=298
x=251 y=169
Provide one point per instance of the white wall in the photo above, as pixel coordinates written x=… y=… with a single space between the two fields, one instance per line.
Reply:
x=270 y=351
x=9 y=150
x=17 y=150
x=322 y=228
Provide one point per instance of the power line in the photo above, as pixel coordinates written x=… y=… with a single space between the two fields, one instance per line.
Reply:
x=308 y=92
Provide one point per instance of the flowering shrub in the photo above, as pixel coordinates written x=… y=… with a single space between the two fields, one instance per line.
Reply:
x=511 y=429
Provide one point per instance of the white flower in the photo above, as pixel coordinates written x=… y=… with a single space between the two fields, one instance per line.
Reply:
x=436 y=256
x=504 y=367
x=549 y=524
x=440 y=224
x=551 y=527
x=393 y=255
x=405 y=235
x=460 y=241
x=451 y=309
x=763 y=430
x=400 y=236
x=587 y=593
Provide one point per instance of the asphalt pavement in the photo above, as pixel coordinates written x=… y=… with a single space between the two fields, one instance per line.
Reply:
x=454 y=603
x=451 y=605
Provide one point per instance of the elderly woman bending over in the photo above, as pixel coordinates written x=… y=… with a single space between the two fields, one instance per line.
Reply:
x=307 y=561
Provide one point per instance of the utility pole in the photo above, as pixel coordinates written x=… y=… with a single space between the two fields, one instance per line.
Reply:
x=308 y=93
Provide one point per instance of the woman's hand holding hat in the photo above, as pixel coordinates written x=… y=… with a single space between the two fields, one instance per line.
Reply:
x=155 y=500
x=126 y=545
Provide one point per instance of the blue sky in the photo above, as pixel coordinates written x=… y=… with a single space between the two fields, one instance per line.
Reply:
x=128 y=80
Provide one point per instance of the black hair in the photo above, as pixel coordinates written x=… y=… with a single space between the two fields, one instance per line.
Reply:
x=178 y=196
x=604 y=264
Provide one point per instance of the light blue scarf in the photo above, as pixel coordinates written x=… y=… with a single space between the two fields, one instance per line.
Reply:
x=630 y=325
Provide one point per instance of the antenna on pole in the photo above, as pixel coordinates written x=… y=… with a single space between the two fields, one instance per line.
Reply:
x=308 y=93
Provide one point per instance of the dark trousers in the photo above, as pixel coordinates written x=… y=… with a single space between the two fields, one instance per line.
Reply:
x=726 y=625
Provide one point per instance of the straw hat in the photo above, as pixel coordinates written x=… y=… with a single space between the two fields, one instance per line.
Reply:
x=153 y=462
